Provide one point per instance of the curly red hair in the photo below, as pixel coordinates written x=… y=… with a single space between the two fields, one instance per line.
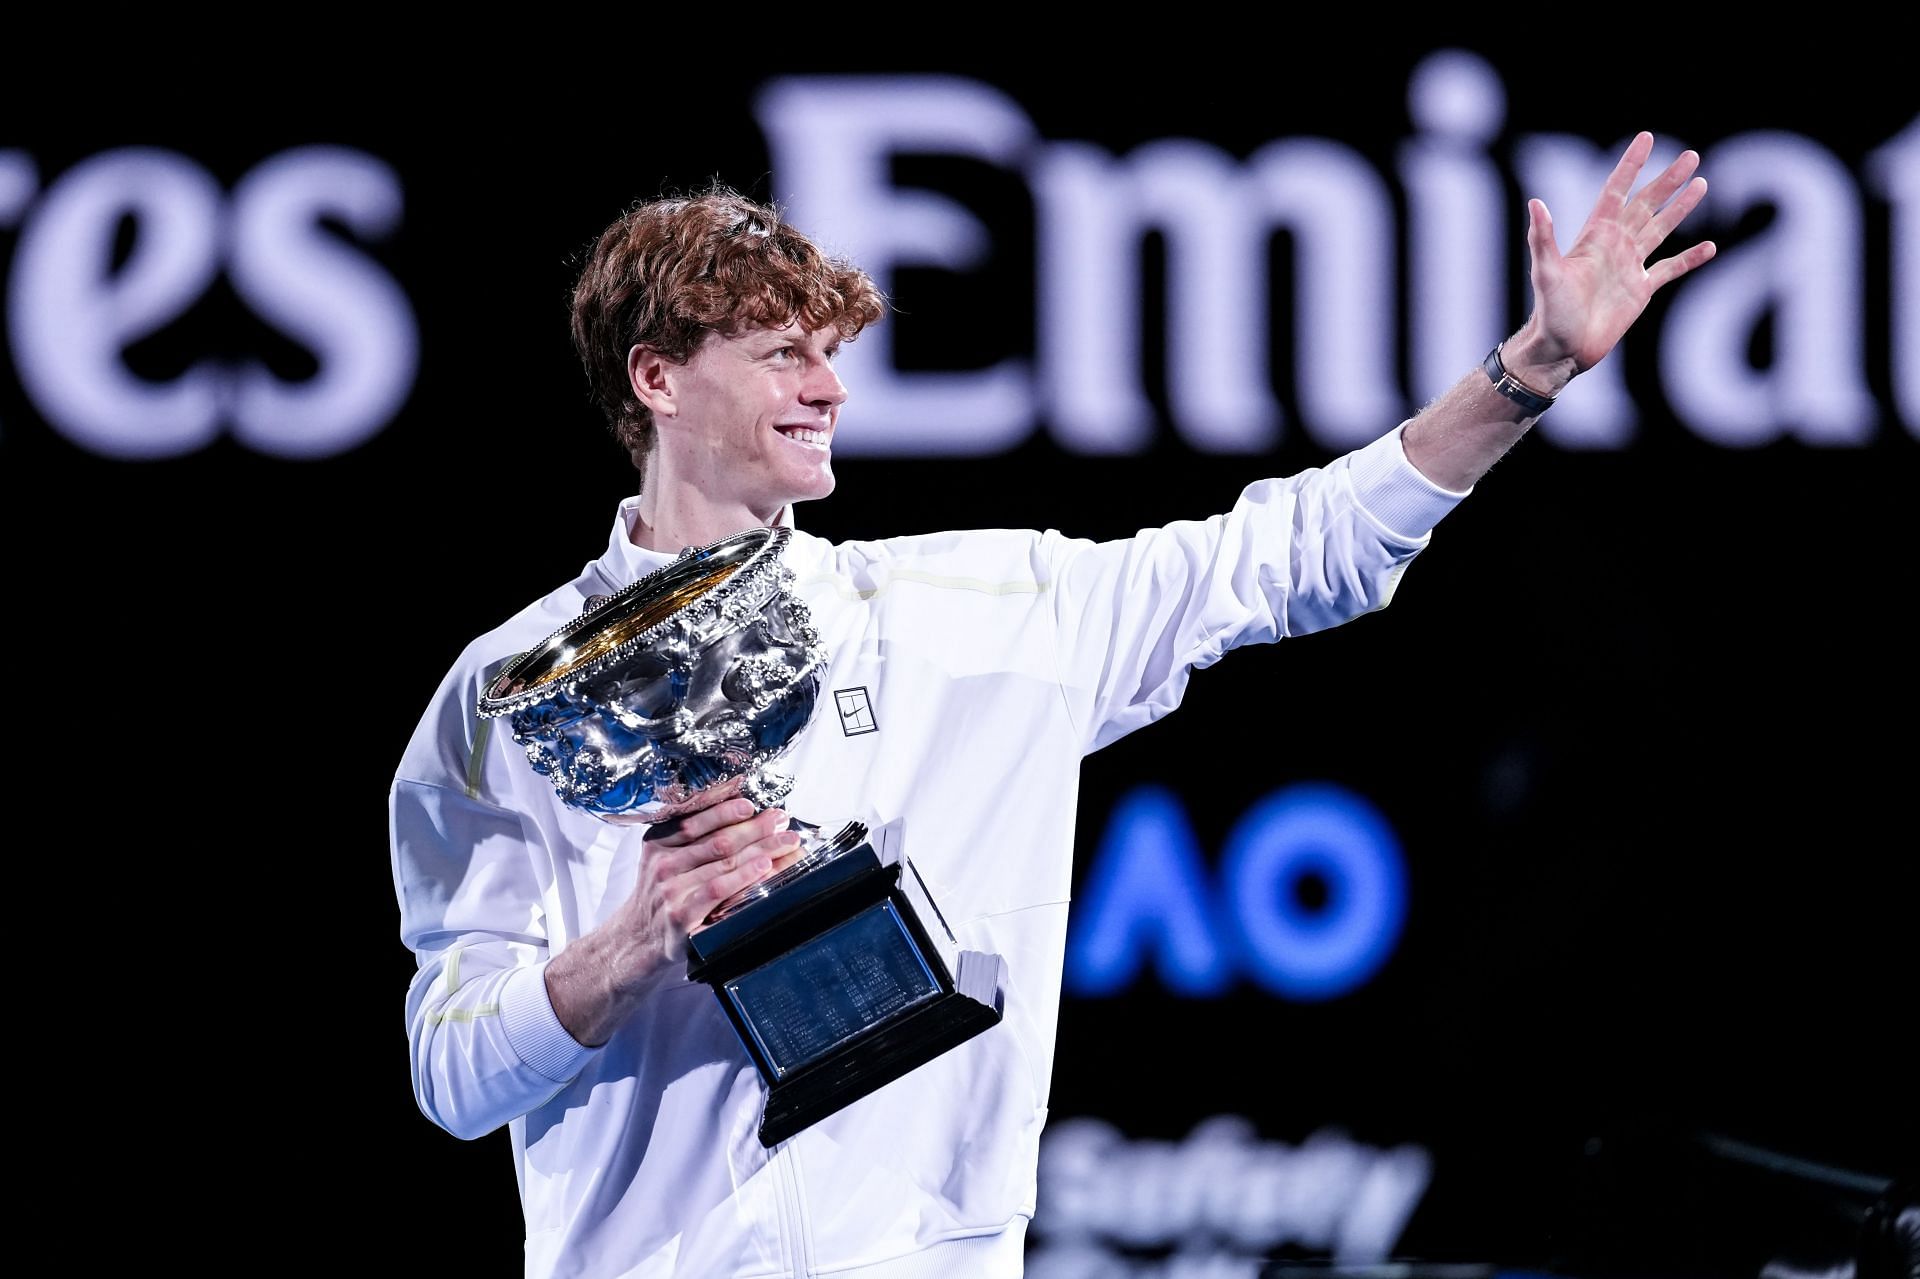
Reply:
x=670 y=271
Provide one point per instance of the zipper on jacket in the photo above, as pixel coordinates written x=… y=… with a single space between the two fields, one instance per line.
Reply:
x=793 y=1231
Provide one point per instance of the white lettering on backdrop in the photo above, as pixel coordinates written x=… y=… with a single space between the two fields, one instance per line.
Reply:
x=73 y=310
x=832 y=139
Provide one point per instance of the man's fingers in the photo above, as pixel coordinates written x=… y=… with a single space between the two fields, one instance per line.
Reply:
x=1661 y=225
x=1540 y=230
x=676 y=865
x=1543 y=252
x=763 y=850
x=1662 y=273
x=1655 y=193
x=709 y=885
x=680 y=831
x=700 y=903
x=1620 y=181
x=727 y=849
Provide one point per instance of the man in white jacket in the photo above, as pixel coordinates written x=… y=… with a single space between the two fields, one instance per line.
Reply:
x=551 y=994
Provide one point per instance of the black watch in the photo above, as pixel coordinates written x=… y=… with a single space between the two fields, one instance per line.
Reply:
x=1504 y=382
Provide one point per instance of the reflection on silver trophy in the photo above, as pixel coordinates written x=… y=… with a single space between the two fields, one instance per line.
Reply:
x=837 y=971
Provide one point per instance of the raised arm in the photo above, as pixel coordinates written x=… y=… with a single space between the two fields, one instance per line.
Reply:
x=1584 y=301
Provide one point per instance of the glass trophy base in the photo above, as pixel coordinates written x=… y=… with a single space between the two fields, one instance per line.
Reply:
x=841 y=979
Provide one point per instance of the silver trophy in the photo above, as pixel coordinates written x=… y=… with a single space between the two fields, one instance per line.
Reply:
x=837 y=970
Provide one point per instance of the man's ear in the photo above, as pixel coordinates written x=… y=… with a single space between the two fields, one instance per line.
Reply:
x=647 y=371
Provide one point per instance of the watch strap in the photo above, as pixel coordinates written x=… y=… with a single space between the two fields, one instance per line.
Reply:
x=1506 y=384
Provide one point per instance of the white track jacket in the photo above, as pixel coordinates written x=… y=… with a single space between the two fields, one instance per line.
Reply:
x=990 y=663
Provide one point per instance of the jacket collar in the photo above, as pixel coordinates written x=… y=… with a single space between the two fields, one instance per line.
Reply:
x=626 y=561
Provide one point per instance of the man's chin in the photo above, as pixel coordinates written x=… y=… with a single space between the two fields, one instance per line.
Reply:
x=817 y=488
x=821 y=485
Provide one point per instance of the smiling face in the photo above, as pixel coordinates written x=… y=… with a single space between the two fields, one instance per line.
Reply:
x=747 y=421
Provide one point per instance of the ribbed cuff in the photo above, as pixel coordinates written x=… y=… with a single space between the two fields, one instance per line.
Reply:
x=531 y=1027
x=1393 y=490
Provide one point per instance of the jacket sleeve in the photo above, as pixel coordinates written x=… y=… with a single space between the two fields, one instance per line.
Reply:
x=486 y=1046
x=1293 y=556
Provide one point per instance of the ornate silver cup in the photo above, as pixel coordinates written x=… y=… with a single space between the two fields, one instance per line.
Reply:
x=684 y=687
x=837 y=970
x=694 y=678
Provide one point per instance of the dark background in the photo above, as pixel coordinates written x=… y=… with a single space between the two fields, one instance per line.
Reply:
x=1647 y=742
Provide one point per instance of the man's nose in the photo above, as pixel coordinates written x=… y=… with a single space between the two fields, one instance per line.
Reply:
x=823 y=385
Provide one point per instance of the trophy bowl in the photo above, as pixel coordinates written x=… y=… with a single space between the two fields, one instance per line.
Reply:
x=683 y=687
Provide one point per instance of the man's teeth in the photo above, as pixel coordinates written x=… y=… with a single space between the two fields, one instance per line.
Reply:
x=803 y=435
